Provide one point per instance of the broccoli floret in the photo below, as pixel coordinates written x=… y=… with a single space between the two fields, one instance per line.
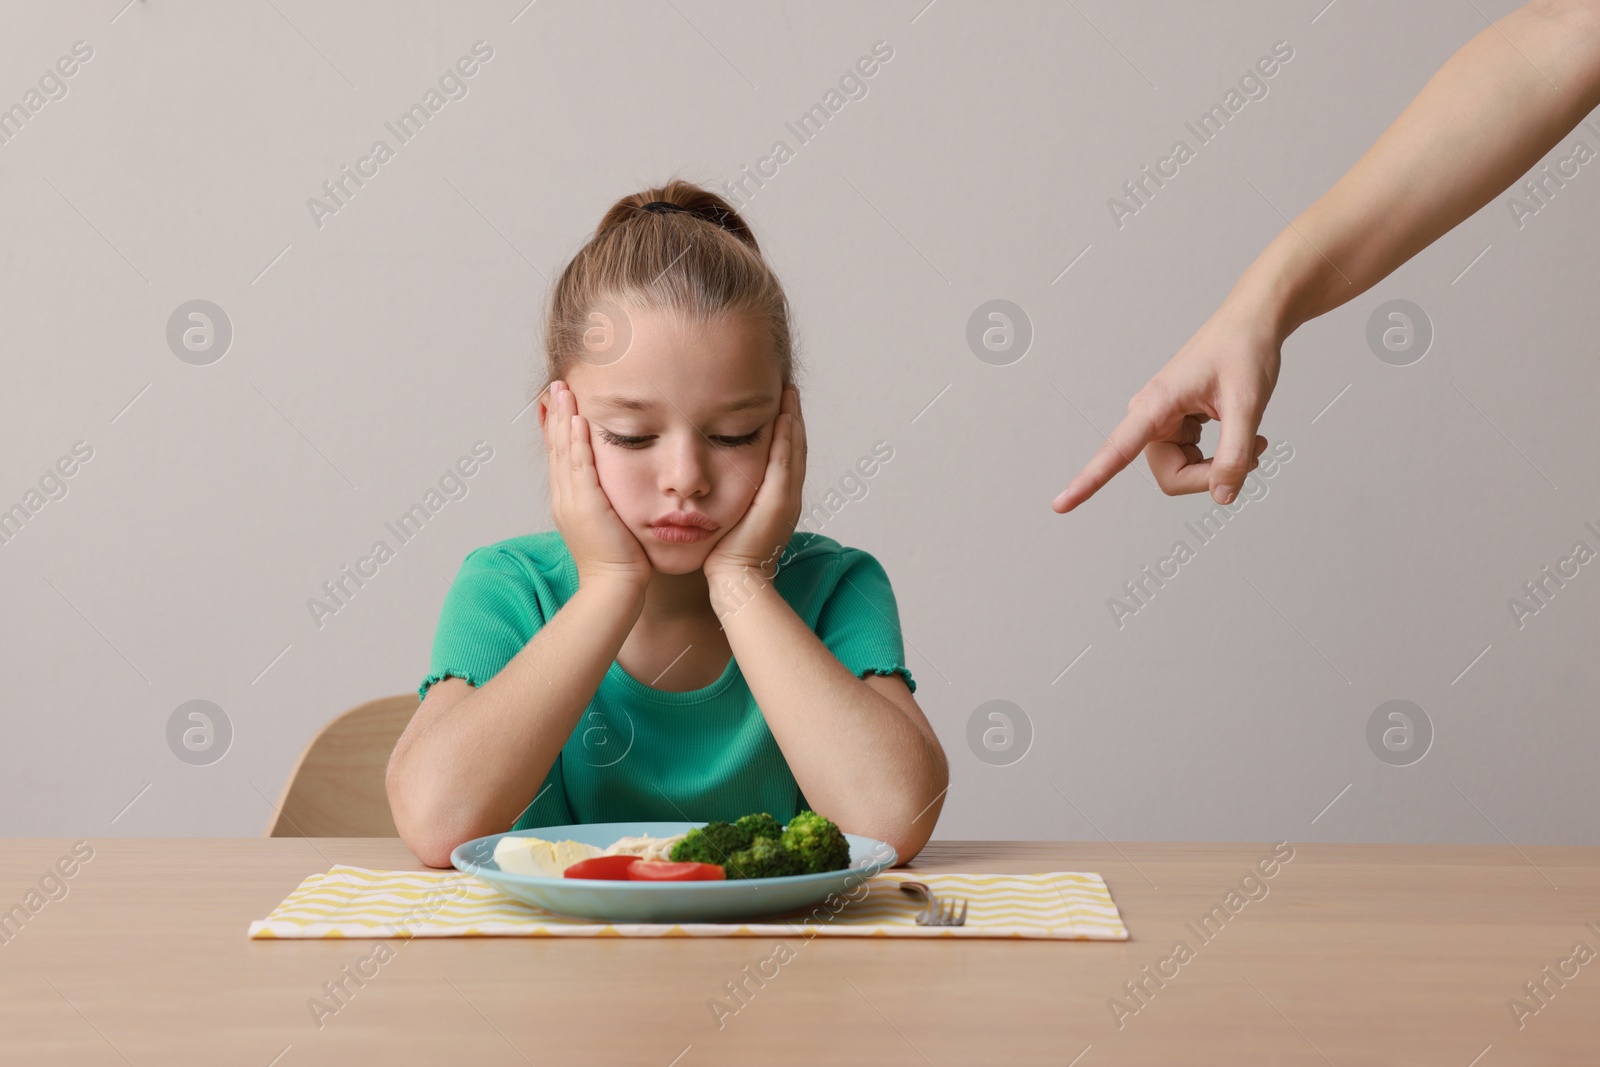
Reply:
x=761 y=825
x=765 y=858
x=714 y=842
x=756 y=846
x=816 y=843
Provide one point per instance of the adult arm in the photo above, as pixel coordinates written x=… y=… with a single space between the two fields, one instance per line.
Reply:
x=1485 y=118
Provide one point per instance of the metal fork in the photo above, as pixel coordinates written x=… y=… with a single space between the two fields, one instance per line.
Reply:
x=934 y=913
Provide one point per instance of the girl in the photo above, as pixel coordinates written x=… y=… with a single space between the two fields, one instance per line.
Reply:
x=675 y=649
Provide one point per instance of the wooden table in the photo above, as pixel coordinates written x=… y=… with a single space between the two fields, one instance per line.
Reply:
x=1346 y=955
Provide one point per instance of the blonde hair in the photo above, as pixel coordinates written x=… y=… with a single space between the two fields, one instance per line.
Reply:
x=701 y=263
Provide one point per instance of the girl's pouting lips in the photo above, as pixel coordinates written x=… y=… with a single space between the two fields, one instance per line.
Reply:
x=683 y=527
x=679 y=534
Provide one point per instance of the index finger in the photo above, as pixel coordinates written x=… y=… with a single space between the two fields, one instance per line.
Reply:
x=797 y=435
x=557 y=424
x=1135 y=431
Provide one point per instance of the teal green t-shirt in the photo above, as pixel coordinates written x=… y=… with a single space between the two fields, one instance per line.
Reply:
x=641 y=754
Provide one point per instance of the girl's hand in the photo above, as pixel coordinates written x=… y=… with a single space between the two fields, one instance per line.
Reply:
x=601 y=544
x=758 y=538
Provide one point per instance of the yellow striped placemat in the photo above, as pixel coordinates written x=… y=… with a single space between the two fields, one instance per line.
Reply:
x=357 y=902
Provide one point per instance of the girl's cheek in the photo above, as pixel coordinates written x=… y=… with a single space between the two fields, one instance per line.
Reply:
x=614 y=478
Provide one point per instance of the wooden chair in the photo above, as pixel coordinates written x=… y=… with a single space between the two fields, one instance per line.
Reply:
x=337 y=787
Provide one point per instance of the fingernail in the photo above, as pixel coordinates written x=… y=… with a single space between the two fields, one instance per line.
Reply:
x=1224 y=494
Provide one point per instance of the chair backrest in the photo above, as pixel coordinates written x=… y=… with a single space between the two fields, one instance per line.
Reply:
x=337 y=787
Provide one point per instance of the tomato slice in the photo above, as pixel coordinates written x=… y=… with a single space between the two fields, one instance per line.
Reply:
x=613 y=868
x=667 y=871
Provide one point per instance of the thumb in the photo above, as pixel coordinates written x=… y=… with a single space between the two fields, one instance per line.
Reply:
x=1236 y=447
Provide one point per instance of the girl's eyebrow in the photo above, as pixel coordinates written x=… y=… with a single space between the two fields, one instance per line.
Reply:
x=635 y=403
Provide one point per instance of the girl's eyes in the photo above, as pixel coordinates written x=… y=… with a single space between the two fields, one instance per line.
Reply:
x=639 y=442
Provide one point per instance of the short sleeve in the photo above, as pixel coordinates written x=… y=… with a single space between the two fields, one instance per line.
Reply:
x=859 y=621
x=491 y=611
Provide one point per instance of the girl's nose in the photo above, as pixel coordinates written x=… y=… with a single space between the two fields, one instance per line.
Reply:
x=687 y=471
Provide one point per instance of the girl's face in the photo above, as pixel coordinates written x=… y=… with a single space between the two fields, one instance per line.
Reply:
x=682 y=421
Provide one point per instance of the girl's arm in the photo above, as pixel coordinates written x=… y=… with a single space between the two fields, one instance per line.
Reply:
x=862 y=751
x=471 y=758
x=1498 y=105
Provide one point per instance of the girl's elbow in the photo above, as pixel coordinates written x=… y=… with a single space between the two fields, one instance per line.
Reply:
x=422 y=827
x=909 y=838
x=906 y=850
x=919 y=824
x=423 y=838
x=431 y=856
x=429 y=844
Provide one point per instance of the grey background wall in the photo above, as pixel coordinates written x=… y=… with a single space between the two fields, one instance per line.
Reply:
x=371 y=348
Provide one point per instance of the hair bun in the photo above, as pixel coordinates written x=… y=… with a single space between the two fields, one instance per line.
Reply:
x=679 y=196
x=711 y=213
x=678 y=248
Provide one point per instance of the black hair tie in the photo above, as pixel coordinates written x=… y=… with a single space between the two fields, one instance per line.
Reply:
x=714 y=215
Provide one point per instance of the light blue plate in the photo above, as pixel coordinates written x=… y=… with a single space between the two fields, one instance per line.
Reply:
x=657 y=902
